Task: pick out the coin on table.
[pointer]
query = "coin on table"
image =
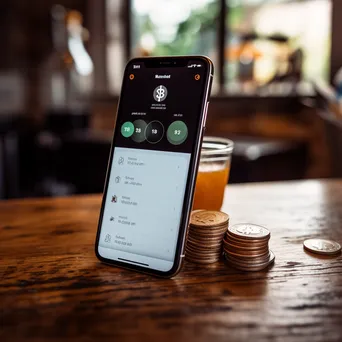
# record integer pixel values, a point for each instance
(203, 247)
(251, 261)
(249, 231)
(206, 239)
(208, 218)
(203, 251)
(204, 242)
(209, 232)
(322, 246)
(237, 248)
(252, 268)
(200, 254)
(202, 261)
(245, 241)
(203, 237)
(206, 230)
(247, 256)
(195, 211)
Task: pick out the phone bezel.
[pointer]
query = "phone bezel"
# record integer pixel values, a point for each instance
(193, 166)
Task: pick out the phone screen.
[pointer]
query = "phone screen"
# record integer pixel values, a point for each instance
(157, 129)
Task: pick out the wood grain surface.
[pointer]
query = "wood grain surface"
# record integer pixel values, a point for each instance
(53, 288)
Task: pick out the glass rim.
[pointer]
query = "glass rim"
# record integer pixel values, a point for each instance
(227, 146)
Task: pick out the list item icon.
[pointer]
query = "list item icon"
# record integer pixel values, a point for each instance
(117, 179)
(108, 238)
(114, 199)
(121, 160)
(160, 93)
(111, 219)
(131, 77)
(197, 77)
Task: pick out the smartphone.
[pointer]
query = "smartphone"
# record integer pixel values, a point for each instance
(153, 163)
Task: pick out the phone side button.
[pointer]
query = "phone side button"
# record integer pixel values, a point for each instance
(205, 114)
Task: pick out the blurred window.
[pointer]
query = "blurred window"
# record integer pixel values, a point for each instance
(185, 27)
(265, 42)
(278, 41)
(115, 50)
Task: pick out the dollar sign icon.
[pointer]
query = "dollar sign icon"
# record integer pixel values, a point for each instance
(160, 93)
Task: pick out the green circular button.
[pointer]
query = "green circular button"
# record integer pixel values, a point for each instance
(139, 131)
(127, 129)
(177, 133)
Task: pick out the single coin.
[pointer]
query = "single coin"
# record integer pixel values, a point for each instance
(207, 241)
(212, 231)
(246, 262)
(199, 261)
(195, 211)
(247, 256)
(250, 247)
(208, 233)
(203, 245)
(249, 231)
(253, 268)
(208, 218)
(209, 228)
(203, 248)
(251, 262)
(199, 225)
(244, 248)
(321, 246)
(203, 236)
(196, 255)
(202, 255)
(244, 241)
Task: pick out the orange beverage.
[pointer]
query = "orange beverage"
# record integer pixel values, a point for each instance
(210, 185)
(213, 173)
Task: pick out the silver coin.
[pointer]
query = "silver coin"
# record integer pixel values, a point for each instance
(322, 246)
(249, 231)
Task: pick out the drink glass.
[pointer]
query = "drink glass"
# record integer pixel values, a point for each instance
(213, 173)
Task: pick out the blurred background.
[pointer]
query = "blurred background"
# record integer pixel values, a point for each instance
(277, 88)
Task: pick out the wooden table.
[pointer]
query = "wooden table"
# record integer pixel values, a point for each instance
(53, 288)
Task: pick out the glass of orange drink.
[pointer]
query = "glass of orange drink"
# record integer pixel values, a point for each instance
(213, 173)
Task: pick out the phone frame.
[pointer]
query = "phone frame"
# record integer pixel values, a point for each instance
(171, 61)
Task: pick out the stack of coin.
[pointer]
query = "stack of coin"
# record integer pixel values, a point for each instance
(206, 231)
(246, 247)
